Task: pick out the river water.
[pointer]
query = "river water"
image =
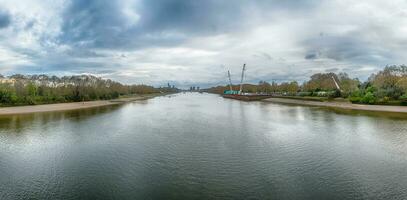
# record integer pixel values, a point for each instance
(201, 146)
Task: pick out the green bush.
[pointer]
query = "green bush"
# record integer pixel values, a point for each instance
(303, 94)
(371, 89)
(369, 98)
(30, 100)
(403, 99)
(7, 97)
(334, 94)
(356, 96)
(355, 99)
(385, 100)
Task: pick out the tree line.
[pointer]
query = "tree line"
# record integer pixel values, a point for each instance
(42, 89)
(388, 86)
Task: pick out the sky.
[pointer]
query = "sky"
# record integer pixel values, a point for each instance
(195, 42)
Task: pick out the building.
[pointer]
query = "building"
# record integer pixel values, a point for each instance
(7, 81)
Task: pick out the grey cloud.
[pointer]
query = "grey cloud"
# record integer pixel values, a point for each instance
(30, 25)
(92, 23)
(267, 56)
(5, 19)
(83, 53)
(102, 23)
(59, 65)
(264, 55)
(350, 47)
(311, 56)
(200, 17)
(297, 6)
(332, 70)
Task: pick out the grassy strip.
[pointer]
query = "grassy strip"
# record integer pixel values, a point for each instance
(342, 100)
(122, 98)
(319, 99)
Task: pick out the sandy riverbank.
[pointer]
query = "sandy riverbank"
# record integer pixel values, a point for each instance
(69, 106)
(343, 105)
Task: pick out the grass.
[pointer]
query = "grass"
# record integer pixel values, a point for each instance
(307, 98)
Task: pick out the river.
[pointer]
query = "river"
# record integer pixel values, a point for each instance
(201, 146)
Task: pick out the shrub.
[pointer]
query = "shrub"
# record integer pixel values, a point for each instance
(371, 89)
(334, 94)
(383, 101)
(403, 99)
(303, 94)
(369, 98)
(355, 99)
(30, 100)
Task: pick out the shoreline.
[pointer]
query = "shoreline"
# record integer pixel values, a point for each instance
(17, 110)
(342, 105)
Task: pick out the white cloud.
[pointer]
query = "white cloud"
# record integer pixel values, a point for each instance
(274, 39)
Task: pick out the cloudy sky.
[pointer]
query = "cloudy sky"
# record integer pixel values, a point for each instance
(189, 42)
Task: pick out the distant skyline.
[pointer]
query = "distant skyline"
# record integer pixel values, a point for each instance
(195, 42)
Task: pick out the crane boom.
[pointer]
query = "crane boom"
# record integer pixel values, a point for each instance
(241, 81)
(230, 81)
(336, 84)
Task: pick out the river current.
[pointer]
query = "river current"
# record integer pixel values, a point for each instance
(201, 146)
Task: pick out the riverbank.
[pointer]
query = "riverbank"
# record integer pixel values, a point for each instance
(71, 106)
(342, 105)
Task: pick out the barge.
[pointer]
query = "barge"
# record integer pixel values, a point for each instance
(246, 97)
(239, 95)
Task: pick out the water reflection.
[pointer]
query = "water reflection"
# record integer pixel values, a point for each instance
(201, 146)
(19, 123)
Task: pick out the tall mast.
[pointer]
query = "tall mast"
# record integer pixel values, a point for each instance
(241, 81)
(230, 81)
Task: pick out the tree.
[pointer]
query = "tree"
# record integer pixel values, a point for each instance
(44, 89)
(347, 85)
(32, 89)
(264, 87)
(7, 95)
(274, 87)
(293, 88)
(321, 81)
(402, 84)
(390, 81)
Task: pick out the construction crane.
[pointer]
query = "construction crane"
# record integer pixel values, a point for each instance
(230, 81)
(336, 84)
(241, 81)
